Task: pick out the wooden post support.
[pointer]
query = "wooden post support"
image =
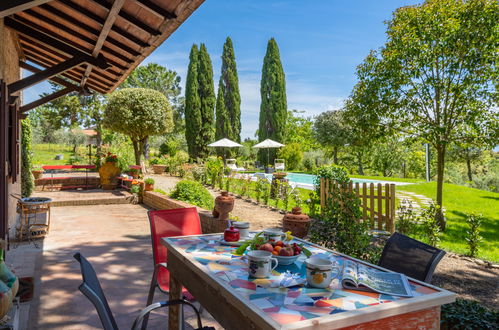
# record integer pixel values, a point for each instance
(47, 98)
(174, 311)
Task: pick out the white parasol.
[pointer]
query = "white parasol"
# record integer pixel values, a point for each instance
(224, 143)
(267, 144)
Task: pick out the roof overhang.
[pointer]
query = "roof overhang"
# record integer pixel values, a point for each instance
(89, 44)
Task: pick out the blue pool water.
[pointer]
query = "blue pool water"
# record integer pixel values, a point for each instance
(309, 179)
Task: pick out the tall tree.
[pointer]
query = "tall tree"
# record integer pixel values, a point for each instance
(192, 104)
(138, 113)
(206, 91)
(274, 107)
(437, 72)
(331, 130)
(228, 109)
(299, 129)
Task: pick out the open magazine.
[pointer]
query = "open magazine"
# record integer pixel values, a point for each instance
(363, 278)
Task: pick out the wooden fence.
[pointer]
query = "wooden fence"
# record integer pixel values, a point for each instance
(377, 201)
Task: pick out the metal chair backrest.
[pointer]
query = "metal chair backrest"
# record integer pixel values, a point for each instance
(408, 256)
(168, 223)
(92, 290)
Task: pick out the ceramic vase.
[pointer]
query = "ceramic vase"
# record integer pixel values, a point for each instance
(296, 222)
(108, 174)
(5, 299)
(223, 206)
(8, 278)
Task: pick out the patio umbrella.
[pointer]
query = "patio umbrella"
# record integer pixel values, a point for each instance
(267, 144)
(224, 143)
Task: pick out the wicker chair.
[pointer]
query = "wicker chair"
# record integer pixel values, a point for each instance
(408, 256)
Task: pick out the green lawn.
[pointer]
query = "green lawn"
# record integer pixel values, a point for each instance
(385, 178)
(44, 154)
(459, 200)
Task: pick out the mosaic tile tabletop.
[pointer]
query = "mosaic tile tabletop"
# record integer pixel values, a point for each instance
(283, 304)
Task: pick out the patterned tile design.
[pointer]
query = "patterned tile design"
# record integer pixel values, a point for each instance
(283, 304)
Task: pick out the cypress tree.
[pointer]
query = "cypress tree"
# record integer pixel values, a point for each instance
(206, 91)
(273, 109)
(192, 104)
(228, 121)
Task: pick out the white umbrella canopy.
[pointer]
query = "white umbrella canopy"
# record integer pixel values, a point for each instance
(226, 143)
(268, 143)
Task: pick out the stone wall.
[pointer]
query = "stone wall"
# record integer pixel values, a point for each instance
(158, 201)
(10, 72)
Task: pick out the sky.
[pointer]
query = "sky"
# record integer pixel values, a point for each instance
(321, 42)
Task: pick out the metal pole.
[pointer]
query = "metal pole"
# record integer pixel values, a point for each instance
(427, 149)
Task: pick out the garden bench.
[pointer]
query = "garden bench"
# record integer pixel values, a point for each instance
(52, 169)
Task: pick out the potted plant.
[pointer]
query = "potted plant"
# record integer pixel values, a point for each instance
(149, 184)
(134, 173)
(109, 172)
(37, 172)
(158, 165)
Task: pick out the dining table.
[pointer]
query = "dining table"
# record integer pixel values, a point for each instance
(219, 281)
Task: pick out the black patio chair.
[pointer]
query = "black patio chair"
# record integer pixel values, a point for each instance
(408, 256)
(92, 290)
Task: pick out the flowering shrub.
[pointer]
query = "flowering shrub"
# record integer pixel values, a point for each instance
(111, 158)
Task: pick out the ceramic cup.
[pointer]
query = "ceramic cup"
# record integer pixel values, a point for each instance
(321, 271)
(243, 228)
(274, 234)
(260, 263)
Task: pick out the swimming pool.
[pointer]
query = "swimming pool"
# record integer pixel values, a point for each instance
(307, 180)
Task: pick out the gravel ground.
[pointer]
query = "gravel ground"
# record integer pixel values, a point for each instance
(466, 278)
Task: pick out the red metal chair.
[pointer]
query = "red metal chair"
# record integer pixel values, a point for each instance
(168, 223)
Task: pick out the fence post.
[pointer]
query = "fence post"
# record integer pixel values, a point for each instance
(391, 228)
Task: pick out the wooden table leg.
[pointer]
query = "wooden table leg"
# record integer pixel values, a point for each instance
(174, 312)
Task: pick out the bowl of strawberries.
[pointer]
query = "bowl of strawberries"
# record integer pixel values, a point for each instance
(285, 253)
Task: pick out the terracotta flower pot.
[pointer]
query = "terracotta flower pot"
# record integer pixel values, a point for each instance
(37, 174)
(149, 187)
(159, 169)
(223, 206)
(108, 174)
(296, 222)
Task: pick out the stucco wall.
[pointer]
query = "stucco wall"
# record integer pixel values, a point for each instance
(9, 71)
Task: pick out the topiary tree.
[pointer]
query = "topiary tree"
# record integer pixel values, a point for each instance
(27, 183)
(138, 113)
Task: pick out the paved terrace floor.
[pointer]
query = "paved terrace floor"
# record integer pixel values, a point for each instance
(116, 240)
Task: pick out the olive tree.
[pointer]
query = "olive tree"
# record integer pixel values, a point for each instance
(436, 77)
(138, 113)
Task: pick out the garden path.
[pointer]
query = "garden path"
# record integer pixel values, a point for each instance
(259, 217)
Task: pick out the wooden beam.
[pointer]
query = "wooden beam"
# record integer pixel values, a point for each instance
(108, 24)
(34, 69)
(100, 20)
(156, 9)
(129, 18)
(9, 7)
(4, 140)
(45, 74)
(54, 43)
(72, 20)
(47, 98)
